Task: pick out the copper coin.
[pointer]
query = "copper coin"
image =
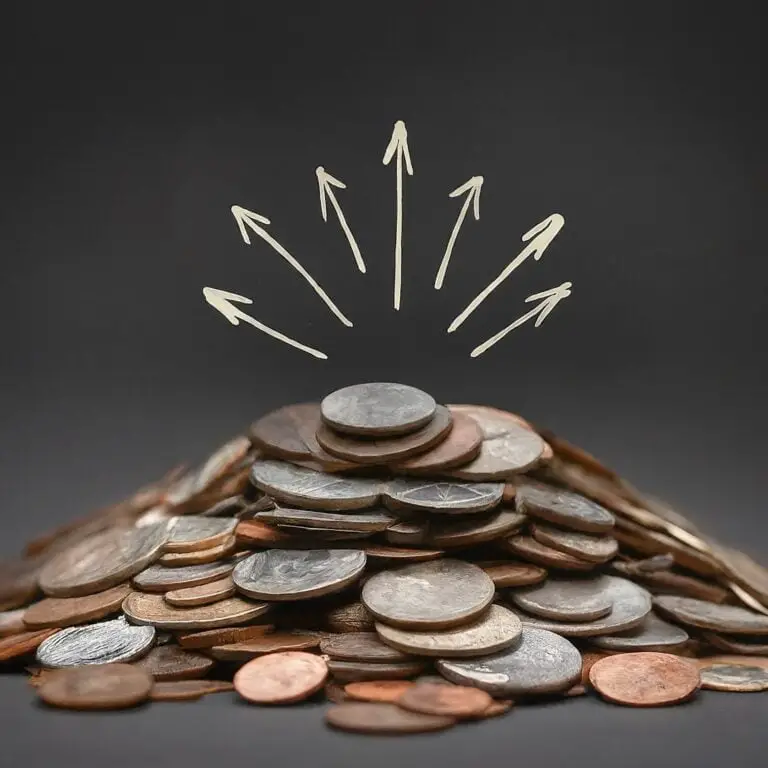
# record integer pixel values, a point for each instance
(108, 686)
(205, 594)
(400, 554)
(258, 646)
(645, 679)
(187, 690)
(158, 578)
(385, 691)
(18, 581)
(352, 671)
(350, 617)
(497, 708)
(734, 677)
(222, 462)
(257, 533)
(199, 556)
(222, 636)
(20, 645)
(281, 678)
(457, 701)
(360, 646)
(278, 433)
(375, 520)
(585, 546)
(535, 551)
(477, 529)
(11, 622)
(326, 462)
(191, 533)
(335, 693)
(667, 582)
(169, 662)
(509, 574)
(588, 660)
(731, 619)
(68, 611)
(359, 717)
(563, 508)
(316, 536)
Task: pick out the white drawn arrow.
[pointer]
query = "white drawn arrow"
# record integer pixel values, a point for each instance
(248, 219)
(398, 144)
(472, 187)
(551, 299)
(222, 302)
(325, 182)
(540, 237)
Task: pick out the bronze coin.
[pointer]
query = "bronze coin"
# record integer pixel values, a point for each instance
(477, 529)
(354, 671)
(536, 552)
(370, 522)
(497, 708)
(645, 679)
(360, 646)
(169, 662)
(326, 462)
(351, 617)
(747, 598)
(509, 493)
(101, 686)
(69, 611)
(400, 554)
(158, 578)
(384, 691)
(20, 645)
(381, 718)
(18, 581)
(222, 636)
(585, 546)
(258, 646)
(11, 622)
(194, 532)
(731, 619)
(457, 701)
(588, 660)
(278, 433)
(187, 690)
(508, 574)
(199, 556)
(256, 533)
(563, 508)
(281, 678)
(205, 594)
(748, 574)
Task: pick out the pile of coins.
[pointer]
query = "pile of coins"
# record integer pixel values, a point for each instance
(416, 564)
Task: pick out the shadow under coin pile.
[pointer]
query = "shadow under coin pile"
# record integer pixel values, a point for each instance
(416, 564)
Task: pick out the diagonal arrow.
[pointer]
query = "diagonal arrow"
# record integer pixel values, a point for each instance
(551, 299)
(472, 187)
(222, 301)
(249, 220)
(325, 182)
(398, 145)
(540, 237)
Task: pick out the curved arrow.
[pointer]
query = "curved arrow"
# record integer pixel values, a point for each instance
(326, 182)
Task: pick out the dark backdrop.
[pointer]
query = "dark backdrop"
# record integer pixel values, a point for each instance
(128, 131)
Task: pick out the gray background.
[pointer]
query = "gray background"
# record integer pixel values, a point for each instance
(127, 136)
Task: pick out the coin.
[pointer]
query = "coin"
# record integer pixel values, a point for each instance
(335, 693)
(259, 646)
(387, 691)
(542, 663)
(169, 662)
(750, 661)
(205, 594)
(11, 622)
(187, 690)
(563, 508)
(360, 646)
(22, 643)
(730, 619)
(493, 631)
(308, 427)
(597, 549)
(576, 455)
(497, 708)
(18, 581)
(671, 582)
(108, 686)
(375, 520)
(437, 496)
(278, 433)
(199, 556)
(437, 594)
(105, 642)
(401, 554)
(360, 717)
(192, 533)
(232, 506)
(353, 671)
(281, 678)
(380, 408)
(408, 533)
(457, 701)
(734, 677)
(747, 598)
(509, 574)
(475, 530)
(153, 610)
(350, 617)
(645, 679)
(158, 578)
(65, 611)
(739, 644)
(565, 599)
(257, 533)
(222, 636)
(653, 634)
(285, 574)
(311, 489)
(314, 536)
(533, 550)
(221, 462)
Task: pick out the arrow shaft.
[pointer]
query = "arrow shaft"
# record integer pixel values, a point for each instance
(488, 343)
(345, 228)
(451, 242)
(399, 229)
(281, 336)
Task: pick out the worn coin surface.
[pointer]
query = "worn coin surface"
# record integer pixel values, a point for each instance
(258, 646)
(457, 701)
(739, 644)
(169, 662)
(211, 637)
(542, 663)
(598, 549)
(187, 690)
(509, 574)
(65, 611)
(529, 548)
(568, 510)
(665, 581)
(385, 691)
(21, 644)
(158, 578)
(288, 574)
(496, 629)
(360, 717)
(349, 617)
(375, 520)
(565, 599)
(477, 529)
(734, 677)
(279, 432)
(408, 533)
(436, 594)
(653, 634)
(281, 678)
(109, 686)
(205, 594)
(199, 556)
(438, 496)
(645, 679)
(193, 532)
(103, 643)
(722, 618)
(353, 671)
(360, 646)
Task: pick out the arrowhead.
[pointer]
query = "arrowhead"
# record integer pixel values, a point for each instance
(324, 182)
(221, 301)
(399, 143)
(549, 227)
(245, 219)
(473, 186)
(550, 299)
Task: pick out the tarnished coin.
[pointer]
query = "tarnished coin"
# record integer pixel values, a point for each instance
(221, 462)
(318, 535)
(408, 533)
(530, 549)
(199, 556)
(169, 662)
(457, 701)
(257, 533)
(565, 599)
(543, 662)
(385, 691)
(281, 678)
(731, 619)
(568, 510)
(106, 642)
(187, 690)
(665, 581)
(278, 433)
(509, 574)
(285, 574)
(308, 488)
(748, 574)
(109, 686)
(335, 693)
(102, 561)
(18, 581)
(494, 631)
(193, 532)
(350, 617)
(222, 636)
(205, 594)
(153, 610)
(734, 677)
(232, 506)
(308, 427)
(436, 594)
(158, 578)
(360, 646)
(475, 530)
(447, 497)
(645, 679)
(401, 554)
(258, 646)
(21, 644)
(375, 520)
(353, 671)
(359, 717)
(380, 408)
(11, 622)
(585, 546)
(653, 634)
(66, 611)
(740, 644)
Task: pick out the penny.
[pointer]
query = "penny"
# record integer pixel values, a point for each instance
(109, 686)
(408, 533)
(205, 594)
(222, 636)
(380, 408)
(542, 663)
(496, 709)
(285, 574)
(257, 533)
(155, 611)
(191, 533)
(497, 629)
(508, 574)
(308, 426)
(11, 622)
(375, 520)
(158, 578)
(258, 646)
(221, 462)
(169, 662)
(653, 634)
(476, 530)
(65, 611)
(730, 619)
(187, 690)
(335, 693)
(106, 642)
(529, 548)
(563, 508)
(401, 554)
(382, 718)
(664, 581)
(199, 556)
(278, 433)
(360, 646)
(102, 561)
(350, 617)
(565, 599)
(645, 679)
(386, 691)
(588, 659)
(437, 594)
(281, 678)
(739, 644)
(452, 700)
(22, 643)
(353, 671)
(447, 497)
(308, 488)
(598, 549)
(18, 581)
(734, 677)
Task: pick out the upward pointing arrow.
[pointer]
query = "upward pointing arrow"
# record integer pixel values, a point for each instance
(325, 182)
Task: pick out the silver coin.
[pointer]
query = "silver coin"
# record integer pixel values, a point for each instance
(542, 663)
(408, 533)
(292, 574)
(105, 642)
(229, 507)
(360, 646)
(475, 530)
(158, 578)
(565, 599)
(722, 618)
(738, 644)
(497, 629)
(309, 488)
(653, 634)
(597, 549)
(192, 532)
(734, 677)
(434, 594)
(375, 520)
(450, 497)
(357, 671)
(563, 508)
(380, 408)
(631, 604)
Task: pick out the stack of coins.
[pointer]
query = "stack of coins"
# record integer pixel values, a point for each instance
(417, 564)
